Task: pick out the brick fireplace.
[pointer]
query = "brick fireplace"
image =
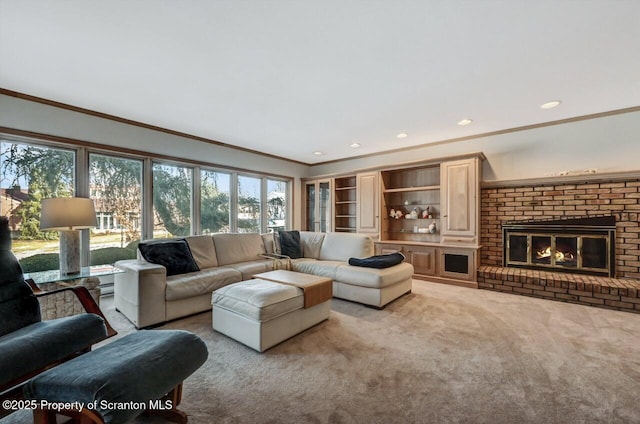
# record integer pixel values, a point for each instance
(619, 199)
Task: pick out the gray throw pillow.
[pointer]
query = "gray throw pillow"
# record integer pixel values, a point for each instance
(174, 255)
(290, 244)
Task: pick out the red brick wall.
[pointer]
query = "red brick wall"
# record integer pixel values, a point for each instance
(618, 198)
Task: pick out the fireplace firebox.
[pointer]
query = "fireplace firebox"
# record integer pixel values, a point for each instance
(579, 245)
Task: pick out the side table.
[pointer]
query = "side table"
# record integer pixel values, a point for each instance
(66, 303)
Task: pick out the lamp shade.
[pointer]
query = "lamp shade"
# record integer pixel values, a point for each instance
(67, 213)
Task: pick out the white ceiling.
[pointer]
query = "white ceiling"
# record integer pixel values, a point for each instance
(292, 77)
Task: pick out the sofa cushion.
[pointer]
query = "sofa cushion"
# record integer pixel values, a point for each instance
(290, 244)
(342, 246)
(259, 300)
(379, 261)
(373, 278)
(249, 269)
(203, 251)
(197, 283)
(320, 268)
(235, 248)
(173, 254)
(311, 243)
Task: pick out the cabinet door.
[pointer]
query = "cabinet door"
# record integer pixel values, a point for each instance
(387, 249)
(457, 263)
(459, 186)
(368, 202)
(317, 198)
(423, 259)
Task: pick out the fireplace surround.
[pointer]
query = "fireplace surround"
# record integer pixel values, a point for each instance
(584, 245)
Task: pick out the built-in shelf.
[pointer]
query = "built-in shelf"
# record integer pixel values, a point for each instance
(345, 204)
(409, 189)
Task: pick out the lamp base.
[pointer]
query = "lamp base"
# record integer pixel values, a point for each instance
(69, 252)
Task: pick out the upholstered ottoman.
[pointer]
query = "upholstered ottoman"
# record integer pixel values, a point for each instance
(261, 314)
(112, 384)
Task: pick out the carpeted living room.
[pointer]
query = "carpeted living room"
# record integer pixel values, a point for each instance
(389, 211)
(442, 354)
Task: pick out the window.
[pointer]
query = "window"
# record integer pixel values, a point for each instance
(215, 202)
(222, 201)
(115, 185)
(276, 205)
(30, 173)
(171, 200)
(249, 202)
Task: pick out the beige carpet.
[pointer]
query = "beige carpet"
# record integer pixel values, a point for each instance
(442, 354)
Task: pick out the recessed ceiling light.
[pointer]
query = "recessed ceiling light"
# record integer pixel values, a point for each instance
(465, 121)
(354, 145)
(317, 153)
(402, 135)
(550, 105)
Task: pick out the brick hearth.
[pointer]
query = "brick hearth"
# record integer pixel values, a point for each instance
(620, 198)
(611, 293)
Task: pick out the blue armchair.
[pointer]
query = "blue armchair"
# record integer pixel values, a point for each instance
(29, 345)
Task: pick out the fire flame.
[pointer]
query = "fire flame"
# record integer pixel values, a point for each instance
(560, 257)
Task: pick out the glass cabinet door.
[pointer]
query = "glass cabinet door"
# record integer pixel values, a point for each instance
(325, 206)
(318, 205)
(310, 189)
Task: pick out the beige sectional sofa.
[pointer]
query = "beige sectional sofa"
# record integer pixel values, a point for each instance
(147, 296)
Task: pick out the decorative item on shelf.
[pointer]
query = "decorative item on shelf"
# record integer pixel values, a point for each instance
(392, 213)
(406, 203)
(433, 228)
(68, 215)
(399, 214)
(413, 214)
(423, 230)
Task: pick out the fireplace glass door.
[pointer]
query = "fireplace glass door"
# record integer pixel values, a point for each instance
(566, 251)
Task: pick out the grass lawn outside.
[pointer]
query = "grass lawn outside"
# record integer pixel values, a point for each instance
(25, 248)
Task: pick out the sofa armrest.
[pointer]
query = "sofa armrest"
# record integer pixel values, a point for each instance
(140, 292)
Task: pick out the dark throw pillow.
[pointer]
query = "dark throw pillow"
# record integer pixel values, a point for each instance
(379, 262)
(171, 254)
(290, 244)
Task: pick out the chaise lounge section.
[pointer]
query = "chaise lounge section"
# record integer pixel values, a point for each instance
(148, 294)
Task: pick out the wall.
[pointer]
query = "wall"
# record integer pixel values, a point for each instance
(36, 117)
(608, 144)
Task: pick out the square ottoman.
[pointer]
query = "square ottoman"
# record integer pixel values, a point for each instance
(261, 314)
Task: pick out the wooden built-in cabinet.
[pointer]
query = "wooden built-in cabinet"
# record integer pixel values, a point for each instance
(430, 212)
(455, 265)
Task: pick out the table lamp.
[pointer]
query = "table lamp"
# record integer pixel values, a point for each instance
(68, 214)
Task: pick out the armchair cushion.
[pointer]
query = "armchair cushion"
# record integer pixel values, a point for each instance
(173, 254)
(18, 305)
(40, 344)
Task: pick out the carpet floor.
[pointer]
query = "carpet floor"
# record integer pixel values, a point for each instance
(442, 354)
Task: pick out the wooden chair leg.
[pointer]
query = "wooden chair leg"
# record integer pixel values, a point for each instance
(44, 416)
(47, 416)
(173, 414)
